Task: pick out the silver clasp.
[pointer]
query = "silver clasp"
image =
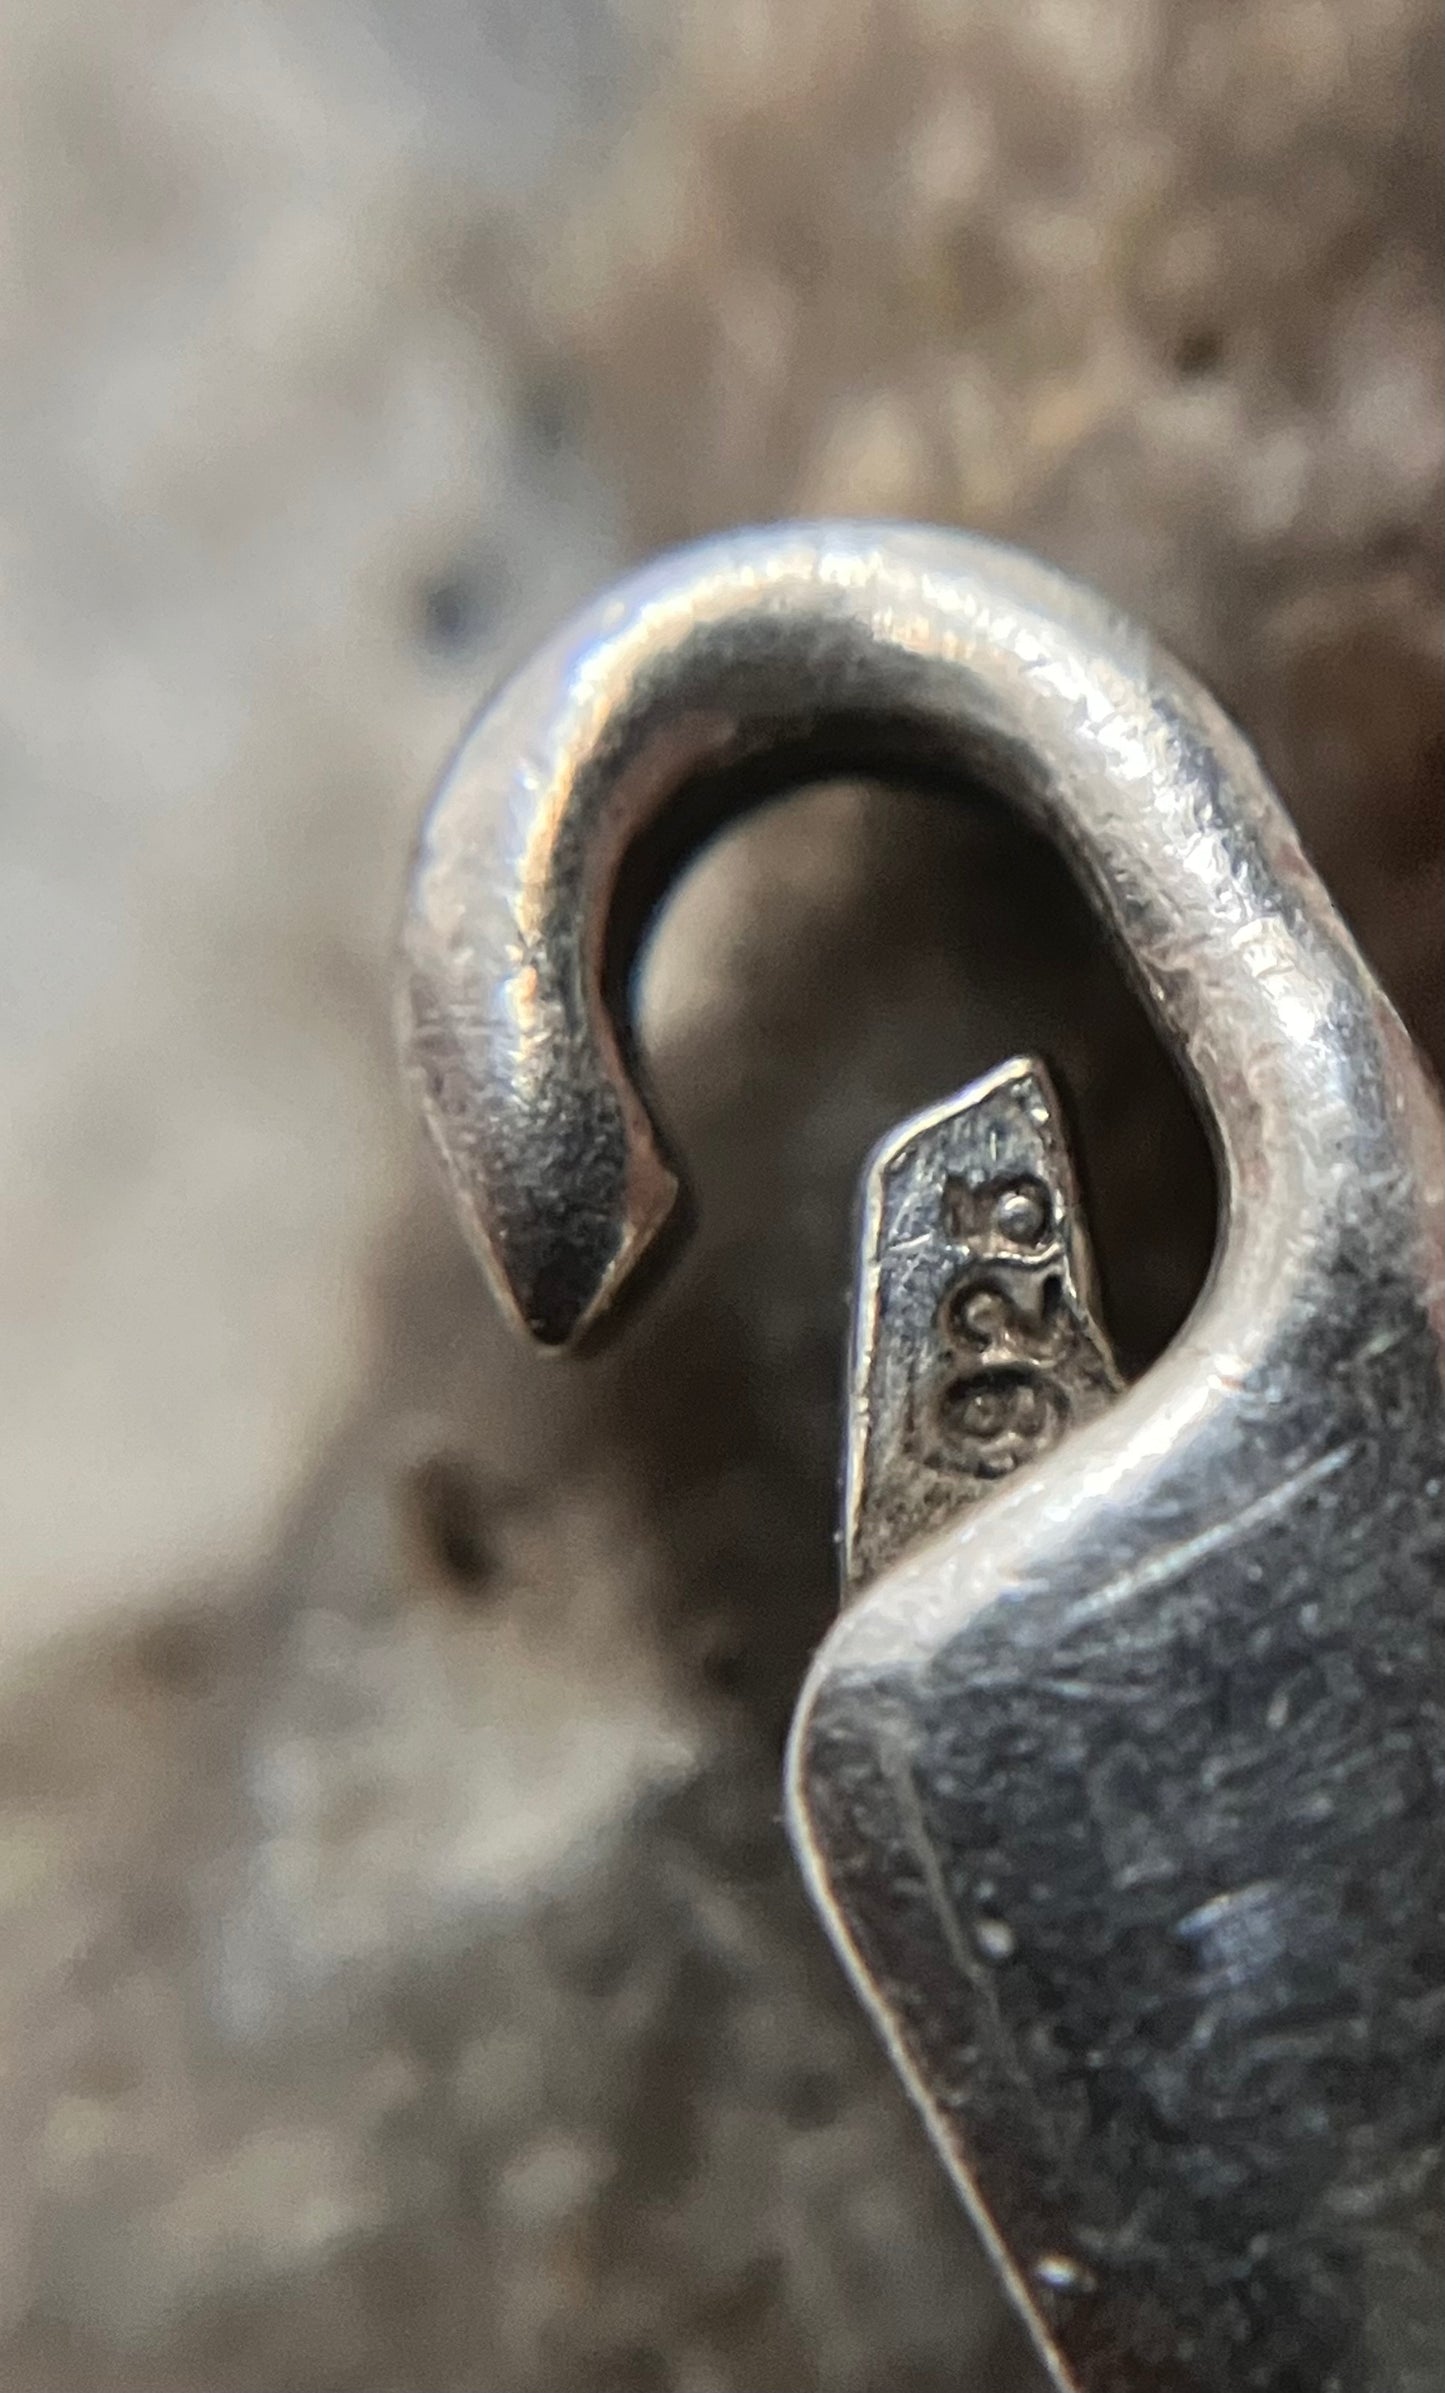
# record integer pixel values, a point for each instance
(1122, 1791)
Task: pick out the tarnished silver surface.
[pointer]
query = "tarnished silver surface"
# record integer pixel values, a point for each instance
(976, 1339)
(1122, 1794)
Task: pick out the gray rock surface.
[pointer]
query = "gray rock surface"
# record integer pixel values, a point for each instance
(403, 1978)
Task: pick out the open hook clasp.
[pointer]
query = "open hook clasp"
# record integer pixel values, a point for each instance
(1123, 1792)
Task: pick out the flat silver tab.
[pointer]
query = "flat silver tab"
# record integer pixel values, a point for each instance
(976, 1338)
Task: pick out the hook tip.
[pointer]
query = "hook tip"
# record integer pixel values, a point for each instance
(562, 1184)
(564, 1273)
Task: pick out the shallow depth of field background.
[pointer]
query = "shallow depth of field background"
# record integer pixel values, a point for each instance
(403, 1982)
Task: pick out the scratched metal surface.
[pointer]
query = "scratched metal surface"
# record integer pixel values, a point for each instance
(1138, 1847)
(1123, 1795)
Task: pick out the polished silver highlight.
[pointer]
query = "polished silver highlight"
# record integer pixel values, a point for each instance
(1123, 1795)
(976, 1338)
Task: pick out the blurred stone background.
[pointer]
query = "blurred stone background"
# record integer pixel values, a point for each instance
(403, 1983)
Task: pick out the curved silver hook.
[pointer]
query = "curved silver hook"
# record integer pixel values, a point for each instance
(1122, 1796)
(751, 663)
